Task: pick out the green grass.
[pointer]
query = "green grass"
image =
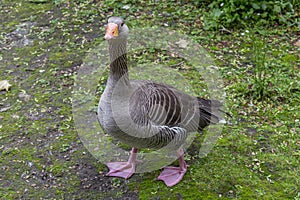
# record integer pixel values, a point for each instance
(41, 156)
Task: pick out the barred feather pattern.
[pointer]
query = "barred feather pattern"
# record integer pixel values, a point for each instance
(158, 114)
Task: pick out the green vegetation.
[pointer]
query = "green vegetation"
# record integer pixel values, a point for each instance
(236, 13)
(258, 153)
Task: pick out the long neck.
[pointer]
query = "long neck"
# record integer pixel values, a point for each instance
(118, 61)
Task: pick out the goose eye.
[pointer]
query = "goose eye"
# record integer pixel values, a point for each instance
(122, 23)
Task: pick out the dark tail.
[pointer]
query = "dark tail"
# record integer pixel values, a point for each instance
(210, 112)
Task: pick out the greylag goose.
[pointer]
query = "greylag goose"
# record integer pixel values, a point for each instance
(146, 114)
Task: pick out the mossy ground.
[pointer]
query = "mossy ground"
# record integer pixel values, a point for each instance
(256, 157)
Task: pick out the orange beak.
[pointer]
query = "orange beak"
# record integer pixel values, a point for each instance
(112, 31)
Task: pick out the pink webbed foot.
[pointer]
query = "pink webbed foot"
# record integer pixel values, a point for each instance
(123, 169)
(173, 175)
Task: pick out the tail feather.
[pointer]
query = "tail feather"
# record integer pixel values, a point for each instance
(210, 112)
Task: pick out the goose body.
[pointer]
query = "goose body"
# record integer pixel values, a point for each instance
(146, 114)
(157, 114)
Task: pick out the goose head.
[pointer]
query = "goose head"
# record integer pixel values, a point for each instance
(116, 29)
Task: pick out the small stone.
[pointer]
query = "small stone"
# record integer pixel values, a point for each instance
(14, 116)
(24, 96)
(87, 186)
(126, 7)
(30, 164)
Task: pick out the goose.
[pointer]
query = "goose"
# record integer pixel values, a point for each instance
(146, 114)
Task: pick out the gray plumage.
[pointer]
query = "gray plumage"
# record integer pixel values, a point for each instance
(146, 114)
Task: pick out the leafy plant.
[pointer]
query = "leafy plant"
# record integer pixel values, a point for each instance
(59, 2)
(272, 78)
(259, 81)
(238, 13)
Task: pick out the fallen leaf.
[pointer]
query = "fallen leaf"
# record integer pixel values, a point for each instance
(297, 42)
(5, 109)
(4, 85)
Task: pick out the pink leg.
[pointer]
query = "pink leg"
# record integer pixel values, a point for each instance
(123, 169)
(173, 175)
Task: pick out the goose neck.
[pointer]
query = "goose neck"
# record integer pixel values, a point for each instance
(118, 61)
